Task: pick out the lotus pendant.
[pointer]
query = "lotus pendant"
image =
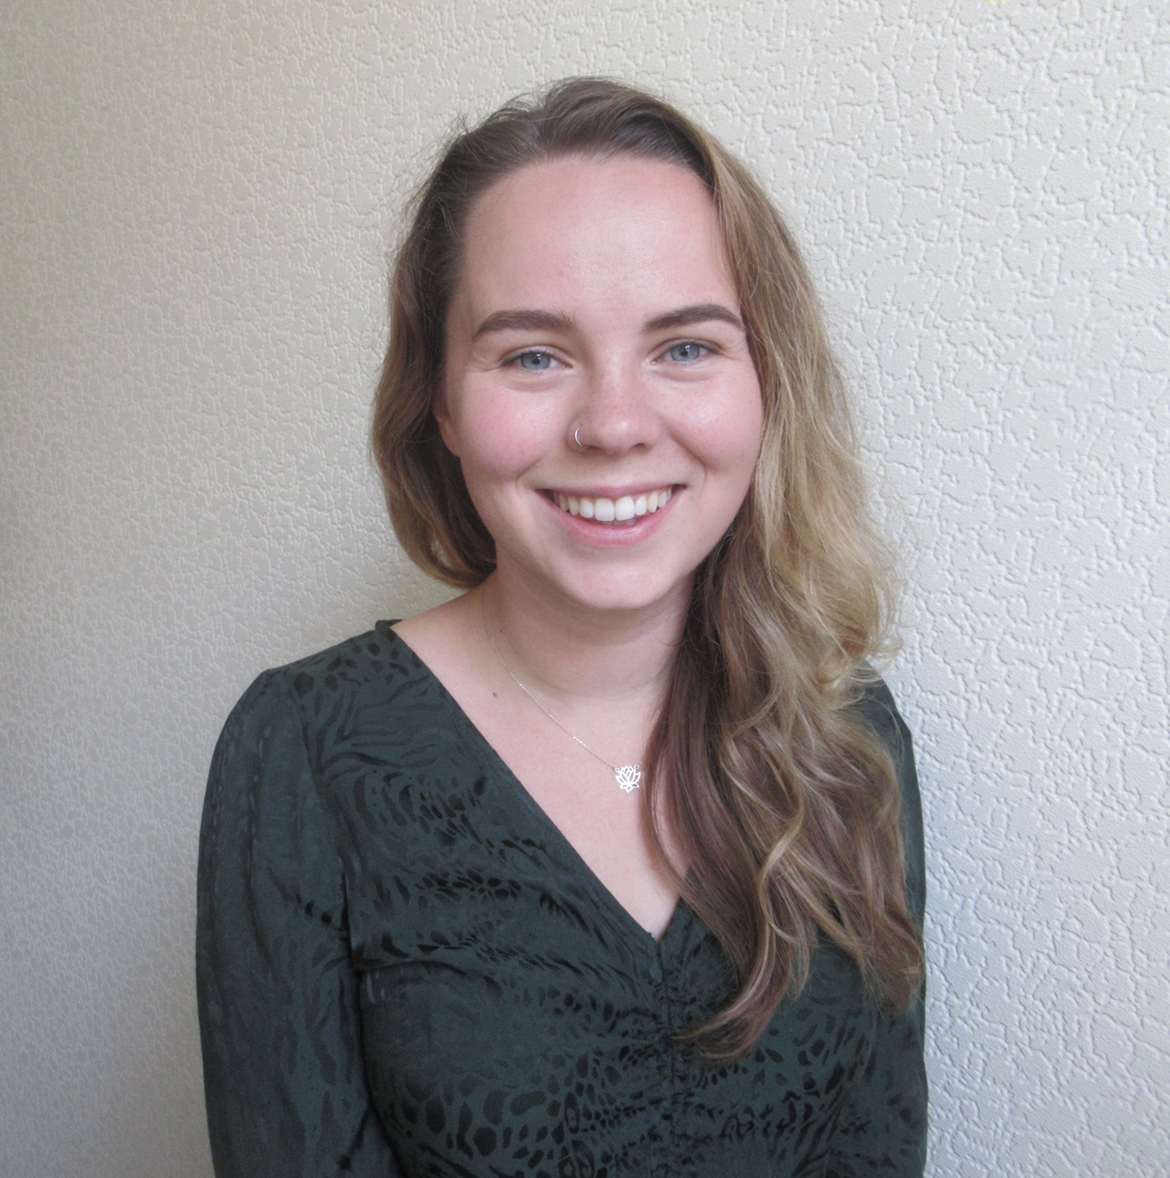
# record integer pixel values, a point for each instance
(629, 777)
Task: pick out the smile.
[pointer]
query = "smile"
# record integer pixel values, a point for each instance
(610, 511)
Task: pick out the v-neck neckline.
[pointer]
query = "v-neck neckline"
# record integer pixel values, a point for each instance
(573, 860)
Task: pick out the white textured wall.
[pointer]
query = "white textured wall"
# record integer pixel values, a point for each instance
(195, 202)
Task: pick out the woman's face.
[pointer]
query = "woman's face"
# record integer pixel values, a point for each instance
(599, 391)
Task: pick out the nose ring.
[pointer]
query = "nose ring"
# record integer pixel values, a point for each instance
(577, 438)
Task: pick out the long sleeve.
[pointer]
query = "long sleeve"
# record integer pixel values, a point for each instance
(882, 1129)
(282, 1053)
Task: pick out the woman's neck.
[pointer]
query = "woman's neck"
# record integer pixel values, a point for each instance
(571, 651)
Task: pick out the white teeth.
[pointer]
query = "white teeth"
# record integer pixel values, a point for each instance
(608, 511)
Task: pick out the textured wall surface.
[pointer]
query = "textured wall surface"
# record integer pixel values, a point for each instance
(195, 203)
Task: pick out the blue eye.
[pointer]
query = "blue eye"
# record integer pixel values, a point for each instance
(534, 361)
(686, 352)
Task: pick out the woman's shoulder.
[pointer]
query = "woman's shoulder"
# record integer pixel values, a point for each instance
(362, 655)
(372, 682)
(376, 659)
(874, 703)
(368, 694)
(877, 709)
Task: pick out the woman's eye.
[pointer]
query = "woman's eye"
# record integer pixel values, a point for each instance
(687, 352)
(534, 361)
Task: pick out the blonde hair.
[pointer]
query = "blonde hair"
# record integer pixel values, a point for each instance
(782, 802)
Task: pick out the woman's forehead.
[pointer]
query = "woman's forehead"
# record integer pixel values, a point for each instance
(577, 225)
(569, 185)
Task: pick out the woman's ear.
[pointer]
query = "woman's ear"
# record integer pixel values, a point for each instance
(446, 426)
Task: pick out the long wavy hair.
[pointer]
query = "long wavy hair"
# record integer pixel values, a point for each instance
(782, 803)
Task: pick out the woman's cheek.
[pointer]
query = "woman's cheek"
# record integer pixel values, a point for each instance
(726, 437)
(506, 436)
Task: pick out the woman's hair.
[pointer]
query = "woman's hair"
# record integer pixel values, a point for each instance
(781, 802)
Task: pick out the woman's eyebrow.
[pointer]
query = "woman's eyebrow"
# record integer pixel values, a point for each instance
(524, 321)
(696, 313)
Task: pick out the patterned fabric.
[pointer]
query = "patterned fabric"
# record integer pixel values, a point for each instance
(405, 969)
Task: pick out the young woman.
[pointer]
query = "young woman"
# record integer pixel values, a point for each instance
(612, 865)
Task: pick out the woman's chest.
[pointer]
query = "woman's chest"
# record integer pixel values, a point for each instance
(514, 1019)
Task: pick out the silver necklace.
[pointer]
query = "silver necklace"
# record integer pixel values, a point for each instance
(629, 777)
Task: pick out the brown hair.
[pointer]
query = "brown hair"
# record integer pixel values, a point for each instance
(790, 816)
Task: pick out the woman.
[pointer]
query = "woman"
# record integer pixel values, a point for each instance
(611, 865)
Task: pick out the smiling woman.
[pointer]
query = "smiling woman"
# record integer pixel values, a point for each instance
(611, 865)
(593, 354)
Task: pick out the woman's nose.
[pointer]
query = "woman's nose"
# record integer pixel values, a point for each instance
(617, 414)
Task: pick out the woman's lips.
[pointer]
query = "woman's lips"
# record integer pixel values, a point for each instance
(622, 510)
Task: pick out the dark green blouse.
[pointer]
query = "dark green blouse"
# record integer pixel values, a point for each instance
(405, 969)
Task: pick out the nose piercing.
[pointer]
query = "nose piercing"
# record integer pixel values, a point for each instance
(577, 438)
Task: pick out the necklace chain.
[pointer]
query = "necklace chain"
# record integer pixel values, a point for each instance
(628, 777)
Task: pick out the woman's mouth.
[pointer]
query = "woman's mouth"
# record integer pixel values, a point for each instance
(621, 510)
